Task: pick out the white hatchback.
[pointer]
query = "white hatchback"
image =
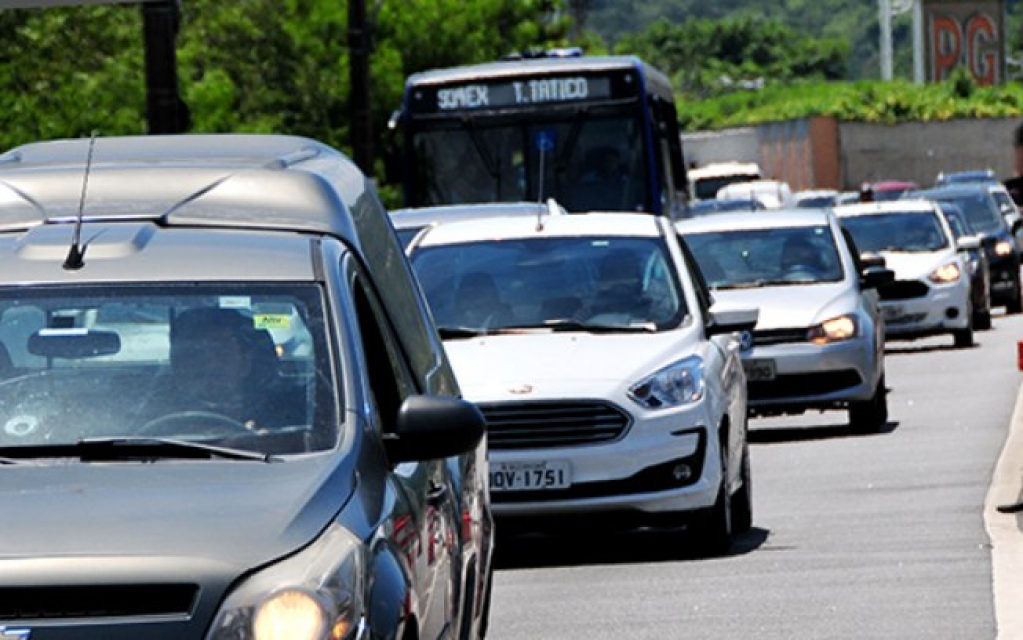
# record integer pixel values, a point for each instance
(610, 386)
(931, 293)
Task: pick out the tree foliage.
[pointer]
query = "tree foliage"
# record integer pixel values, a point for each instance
(246, 66)
(709, 57)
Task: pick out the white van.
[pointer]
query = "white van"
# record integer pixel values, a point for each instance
(706, 181)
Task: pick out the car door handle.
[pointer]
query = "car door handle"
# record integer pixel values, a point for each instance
(437, 494)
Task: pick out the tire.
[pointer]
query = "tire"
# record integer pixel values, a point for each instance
(742, 501)
(982, 320)
(872, 415)
(712, 529)
(1015, 305)
(963, 338)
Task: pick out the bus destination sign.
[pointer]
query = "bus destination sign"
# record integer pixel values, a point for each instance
(515, 93)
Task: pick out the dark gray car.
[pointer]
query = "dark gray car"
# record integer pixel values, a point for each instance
(224, 409)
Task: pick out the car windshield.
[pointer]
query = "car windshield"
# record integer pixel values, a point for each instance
(740, 258)
(979, 207)
(897, 231)
(237, 365)
(580, 282)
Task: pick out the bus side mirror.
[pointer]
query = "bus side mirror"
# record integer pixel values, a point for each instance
(392, 151)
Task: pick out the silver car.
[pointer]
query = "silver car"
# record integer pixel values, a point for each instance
(819, 340)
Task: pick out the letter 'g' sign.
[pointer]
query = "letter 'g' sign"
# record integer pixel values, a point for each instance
(965, 34)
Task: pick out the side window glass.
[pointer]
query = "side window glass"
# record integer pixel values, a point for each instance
(703, 294)
(389, 380)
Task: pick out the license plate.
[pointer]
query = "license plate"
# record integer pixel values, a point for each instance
(759, 369)
(893, 312)
(529, 476)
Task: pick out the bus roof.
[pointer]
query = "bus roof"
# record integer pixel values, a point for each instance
(656, 81)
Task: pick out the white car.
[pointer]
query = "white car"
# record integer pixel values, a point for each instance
(931, 292)
(774, 194)
(819, 339)
(610, 386)
(409, 222)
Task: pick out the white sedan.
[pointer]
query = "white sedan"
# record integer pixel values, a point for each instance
(931, 293)
(610, 386)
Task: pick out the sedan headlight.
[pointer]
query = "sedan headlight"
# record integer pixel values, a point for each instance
(316, 594)
(945, 274)
(677, 384)
(1003, 248)
(834, 330)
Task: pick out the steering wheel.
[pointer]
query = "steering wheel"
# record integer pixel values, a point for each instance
(203, 424)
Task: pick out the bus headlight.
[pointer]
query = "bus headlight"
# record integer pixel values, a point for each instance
(834, 330)
(677, 384)
(945, 274)
(317, 594)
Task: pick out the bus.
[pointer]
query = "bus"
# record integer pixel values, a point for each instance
(594, 133)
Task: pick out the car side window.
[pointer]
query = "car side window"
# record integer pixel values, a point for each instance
(389, 378)
(703, 295)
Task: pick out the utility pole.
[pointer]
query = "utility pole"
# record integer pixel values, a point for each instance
(166, 112)
(358, 60)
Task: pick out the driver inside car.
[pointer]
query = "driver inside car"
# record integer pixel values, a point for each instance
(799, 255)
(222, 370)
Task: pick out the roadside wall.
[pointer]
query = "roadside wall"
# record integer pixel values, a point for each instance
(822, 153)
(919, 151)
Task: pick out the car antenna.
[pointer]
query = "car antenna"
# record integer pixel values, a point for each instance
(76, 254)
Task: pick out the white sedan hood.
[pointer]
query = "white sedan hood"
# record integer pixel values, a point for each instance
(535, 366)
(792, 306)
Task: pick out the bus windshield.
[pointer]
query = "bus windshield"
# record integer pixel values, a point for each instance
(596, 134)
(585, 163)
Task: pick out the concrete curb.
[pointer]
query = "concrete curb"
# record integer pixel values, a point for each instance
(1003, 530)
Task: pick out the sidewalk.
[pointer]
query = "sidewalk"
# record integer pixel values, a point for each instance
(1004, 531)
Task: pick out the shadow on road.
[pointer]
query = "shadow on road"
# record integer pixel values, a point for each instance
(776, 435)
(536, 551)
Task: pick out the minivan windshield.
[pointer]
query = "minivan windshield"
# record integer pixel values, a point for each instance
(578, 283)
(243, 366)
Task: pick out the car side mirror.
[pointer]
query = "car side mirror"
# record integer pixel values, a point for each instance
(876, 277)
(434, 427)
(868, 260)
(722, 321)
(968, 243)
(988, 241)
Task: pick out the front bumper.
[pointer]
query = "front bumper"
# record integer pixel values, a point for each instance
(811, 376)
(666, 461)
(942, 309)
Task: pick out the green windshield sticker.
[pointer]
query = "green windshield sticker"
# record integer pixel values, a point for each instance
(271, 321)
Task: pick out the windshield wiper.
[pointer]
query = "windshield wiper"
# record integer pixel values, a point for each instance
(133, 448)
(455, 333)
(575, 325)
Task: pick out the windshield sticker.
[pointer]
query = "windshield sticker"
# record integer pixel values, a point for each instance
(235, 302)
(271, 321)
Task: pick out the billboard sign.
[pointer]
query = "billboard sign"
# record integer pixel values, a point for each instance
(966, 34)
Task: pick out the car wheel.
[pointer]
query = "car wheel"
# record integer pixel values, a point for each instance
(982, 320)
(712, 529)
(872, 415)
(963, 338)
(742, 501)
(1015, 305)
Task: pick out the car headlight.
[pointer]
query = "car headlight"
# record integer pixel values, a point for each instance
(317, 594)
(945, 274)
(834, 330)
(1003, 248)
(677, 384)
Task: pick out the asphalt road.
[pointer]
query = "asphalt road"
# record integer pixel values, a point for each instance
(855, 537)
